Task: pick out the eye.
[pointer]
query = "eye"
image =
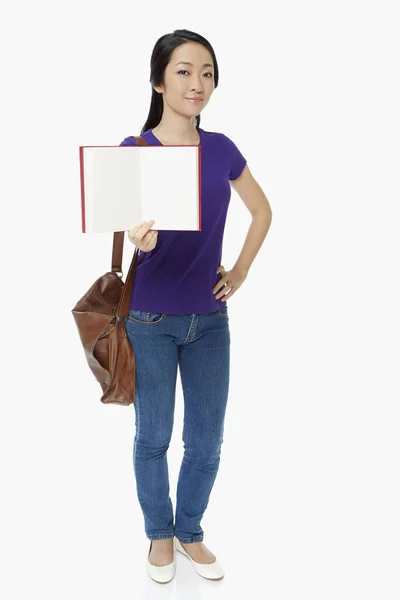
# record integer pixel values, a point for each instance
(184, 71)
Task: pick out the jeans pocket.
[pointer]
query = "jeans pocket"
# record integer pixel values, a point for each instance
(141, 317)
(223, 311)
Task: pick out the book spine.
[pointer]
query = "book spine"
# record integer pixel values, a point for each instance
(81, 159)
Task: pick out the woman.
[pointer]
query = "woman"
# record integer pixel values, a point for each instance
(178, 314)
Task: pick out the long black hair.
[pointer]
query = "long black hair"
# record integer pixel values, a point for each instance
(160, 58)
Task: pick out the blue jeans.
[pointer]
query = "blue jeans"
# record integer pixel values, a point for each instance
(200, 345)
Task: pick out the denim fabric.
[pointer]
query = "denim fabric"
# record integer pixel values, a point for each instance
(200, 345)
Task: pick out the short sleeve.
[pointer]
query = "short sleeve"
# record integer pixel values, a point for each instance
(128, 141)
(237, 161)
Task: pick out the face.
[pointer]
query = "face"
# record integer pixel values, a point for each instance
(183, 81)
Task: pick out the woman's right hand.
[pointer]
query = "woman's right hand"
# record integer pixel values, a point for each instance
(143, 236)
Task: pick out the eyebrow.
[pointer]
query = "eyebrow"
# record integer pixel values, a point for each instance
(184, 62)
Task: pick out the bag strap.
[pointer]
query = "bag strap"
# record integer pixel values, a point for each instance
(116, 261)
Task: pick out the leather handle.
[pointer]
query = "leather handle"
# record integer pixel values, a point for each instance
(116, 261)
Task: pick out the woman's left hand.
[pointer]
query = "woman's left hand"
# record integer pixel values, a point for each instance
(231, 280)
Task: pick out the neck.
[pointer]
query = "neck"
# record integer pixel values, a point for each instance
(177, 131)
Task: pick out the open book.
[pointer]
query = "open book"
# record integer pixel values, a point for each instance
(122, 186)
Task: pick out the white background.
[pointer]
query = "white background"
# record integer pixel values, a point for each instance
(306, 502)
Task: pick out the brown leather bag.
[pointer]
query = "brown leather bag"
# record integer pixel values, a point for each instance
(100, 316)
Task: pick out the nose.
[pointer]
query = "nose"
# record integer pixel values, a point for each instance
(197, 86)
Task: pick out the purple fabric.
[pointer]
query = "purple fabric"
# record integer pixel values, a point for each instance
(178, 276)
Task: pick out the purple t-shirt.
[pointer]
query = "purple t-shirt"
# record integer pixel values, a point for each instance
(179, 274)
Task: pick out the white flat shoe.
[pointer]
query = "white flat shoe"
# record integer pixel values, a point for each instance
(209, 571)
(162, 574)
